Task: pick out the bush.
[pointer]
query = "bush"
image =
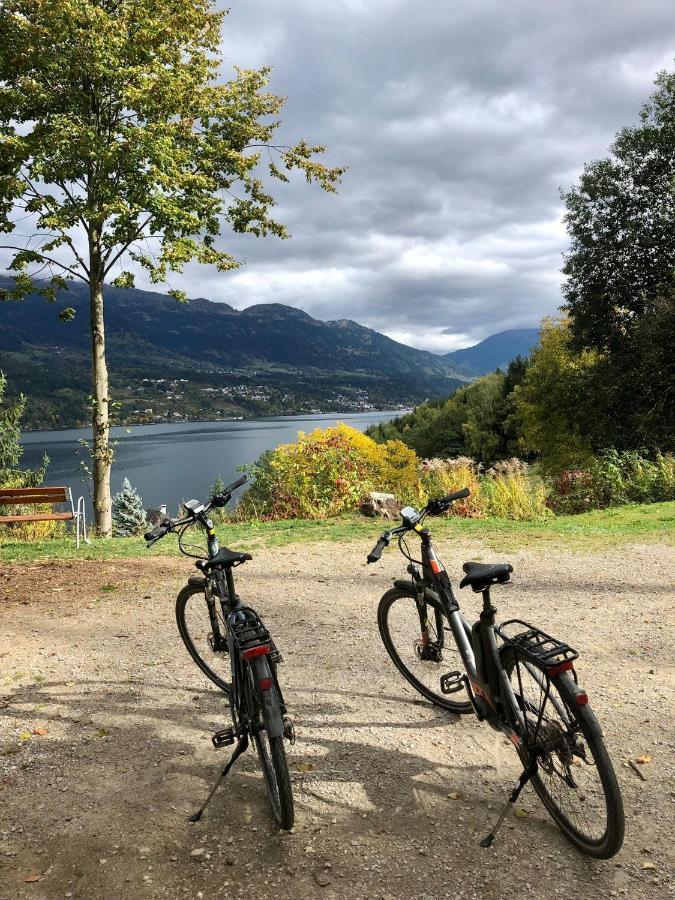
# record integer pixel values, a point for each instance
(321, 475)
(505, 490)
(326, 473)
(329, 472)
(613, 479)
(440, 477)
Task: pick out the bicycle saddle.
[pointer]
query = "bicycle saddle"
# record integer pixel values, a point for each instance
(223, 557)
(482, 575)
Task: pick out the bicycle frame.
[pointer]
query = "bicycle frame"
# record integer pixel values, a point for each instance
(488, 686)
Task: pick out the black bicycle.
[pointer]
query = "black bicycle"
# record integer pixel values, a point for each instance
(217, 627)
(517, 678)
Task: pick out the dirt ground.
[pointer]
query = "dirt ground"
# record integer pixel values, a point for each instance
(105, 729)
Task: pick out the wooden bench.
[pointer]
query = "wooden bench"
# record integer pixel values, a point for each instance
(38, 496)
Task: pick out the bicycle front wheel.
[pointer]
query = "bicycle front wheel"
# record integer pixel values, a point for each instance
(575, 779)
(421, 659)
(272, 756)
(194, 627)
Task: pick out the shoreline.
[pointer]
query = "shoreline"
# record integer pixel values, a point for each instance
(240, 420)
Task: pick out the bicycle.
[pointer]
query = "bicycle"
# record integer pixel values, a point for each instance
(517, 678)
(236, 633)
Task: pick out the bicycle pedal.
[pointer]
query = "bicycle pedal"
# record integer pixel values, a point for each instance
(452, 682)
(289, 730)
(223, 738)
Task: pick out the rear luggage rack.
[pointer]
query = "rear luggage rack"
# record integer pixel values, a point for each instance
(535, 645)
(248, 630)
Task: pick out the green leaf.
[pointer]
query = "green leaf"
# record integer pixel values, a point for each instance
(124, 280)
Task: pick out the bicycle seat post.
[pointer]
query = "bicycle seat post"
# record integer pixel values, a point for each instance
(488, 613)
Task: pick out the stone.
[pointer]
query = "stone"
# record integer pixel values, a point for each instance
(376, 503)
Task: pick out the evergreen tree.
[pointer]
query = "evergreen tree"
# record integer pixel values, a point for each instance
(217, 487)
(128, 515)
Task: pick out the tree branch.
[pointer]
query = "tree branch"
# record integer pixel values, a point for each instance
(50, 260)
(139, 233)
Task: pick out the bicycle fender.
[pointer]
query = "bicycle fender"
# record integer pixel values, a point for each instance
(405, 585)
(271, 707)
(570, 691)
(197, 581)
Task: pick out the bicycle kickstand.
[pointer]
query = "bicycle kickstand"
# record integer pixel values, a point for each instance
(525, 776)
(241, 747)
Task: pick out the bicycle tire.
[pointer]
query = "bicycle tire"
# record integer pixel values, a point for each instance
(182, 601)
(274, 763)
(383, 617)
(610, 841)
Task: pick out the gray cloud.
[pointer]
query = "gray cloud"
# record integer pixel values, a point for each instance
(460, 122)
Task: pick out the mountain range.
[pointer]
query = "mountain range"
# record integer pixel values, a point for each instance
(495, 352)
(208, 360)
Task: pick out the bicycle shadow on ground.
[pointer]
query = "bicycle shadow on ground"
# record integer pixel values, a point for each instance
(80, 796)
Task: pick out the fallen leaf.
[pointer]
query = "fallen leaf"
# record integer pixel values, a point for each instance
(644, 759)
(31, 878)
(520, 813)
(40, 731)
(305, 767)
(453, 795)
(648, 865)
(102, 732)
(25, 736)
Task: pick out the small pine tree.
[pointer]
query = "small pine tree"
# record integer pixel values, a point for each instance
(217, 487)
(128, 514)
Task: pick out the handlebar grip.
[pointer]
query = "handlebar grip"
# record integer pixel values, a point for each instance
(376, 552)
(235, 484)
(158, 532)
(458, 495)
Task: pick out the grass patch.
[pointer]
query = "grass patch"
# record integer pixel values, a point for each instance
(592, 531)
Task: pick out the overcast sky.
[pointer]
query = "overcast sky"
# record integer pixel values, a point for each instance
(460, 121)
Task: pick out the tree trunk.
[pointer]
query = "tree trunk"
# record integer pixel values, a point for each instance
(101, 450)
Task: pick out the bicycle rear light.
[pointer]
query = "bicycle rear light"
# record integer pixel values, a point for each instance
(252, 652)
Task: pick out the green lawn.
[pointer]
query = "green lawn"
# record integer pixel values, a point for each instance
(654, 523)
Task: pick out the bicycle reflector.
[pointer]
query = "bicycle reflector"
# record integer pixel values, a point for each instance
(265, 684)
(252, 652)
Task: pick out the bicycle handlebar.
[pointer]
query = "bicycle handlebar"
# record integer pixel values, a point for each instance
(167, 525)
(433, 508)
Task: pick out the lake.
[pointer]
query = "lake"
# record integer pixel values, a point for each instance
(170, 463)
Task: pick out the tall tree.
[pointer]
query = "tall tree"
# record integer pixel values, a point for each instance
(118, 142)
(620, 288)
(621, 223)
(556, 405)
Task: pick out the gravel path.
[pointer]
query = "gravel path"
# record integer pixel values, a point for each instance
(105, 729)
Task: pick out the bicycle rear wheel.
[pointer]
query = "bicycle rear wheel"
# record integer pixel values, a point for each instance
(194, 627)
(272, 756)
(421, 665)
(575, 779)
